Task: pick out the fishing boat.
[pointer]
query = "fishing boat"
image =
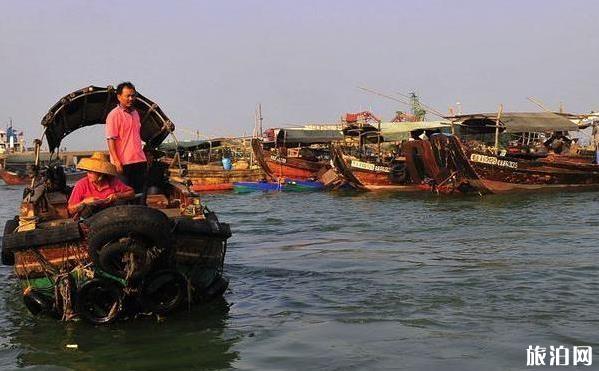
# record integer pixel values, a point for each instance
(296, 153)
(14, 177)
(518, 151)
(387, 156)
(123, 261)
(212, 165)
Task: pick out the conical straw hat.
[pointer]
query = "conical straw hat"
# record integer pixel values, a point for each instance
(99, 163)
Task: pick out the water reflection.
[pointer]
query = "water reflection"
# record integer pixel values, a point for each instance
(198, 339)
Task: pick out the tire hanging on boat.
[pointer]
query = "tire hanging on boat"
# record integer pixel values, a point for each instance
(37, 303)
(8, 257)
(164, 291)
(125, 258)
(217, 288)
(128, 240)
(99, 301)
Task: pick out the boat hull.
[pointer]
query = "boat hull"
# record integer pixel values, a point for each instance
(209, 179)
(278, 167)
(12, 178)
(502, 174)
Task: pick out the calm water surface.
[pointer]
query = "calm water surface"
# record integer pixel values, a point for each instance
(356, 281)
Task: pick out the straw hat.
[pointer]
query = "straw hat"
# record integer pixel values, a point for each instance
(99, 163)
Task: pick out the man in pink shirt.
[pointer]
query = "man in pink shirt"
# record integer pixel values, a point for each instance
(100, 187)
(123, 133)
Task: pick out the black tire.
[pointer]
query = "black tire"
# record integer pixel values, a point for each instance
(64, 232)
(126, 258)
(217, 288)
(204, 227)
(147, 227)
(164, 291)
(37, 303)
(99, 301)
(8, 257)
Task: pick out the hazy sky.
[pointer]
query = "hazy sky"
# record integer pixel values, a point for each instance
(209, 63)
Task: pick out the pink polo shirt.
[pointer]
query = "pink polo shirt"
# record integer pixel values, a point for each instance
(123, 125)
(84, 188)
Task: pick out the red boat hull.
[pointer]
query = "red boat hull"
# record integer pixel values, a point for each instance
(11, 178)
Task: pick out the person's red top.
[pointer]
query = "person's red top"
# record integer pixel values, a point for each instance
(84, 188)
(123, 125)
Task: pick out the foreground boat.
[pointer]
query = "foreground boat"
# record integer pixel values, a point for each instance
(124, 260)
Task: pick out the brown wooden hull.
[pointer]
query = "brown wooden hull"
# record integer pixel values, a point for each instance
(280, 167)
(211, 179)
(368, 176)
(499, 174)
(294, 168)
(11, 178)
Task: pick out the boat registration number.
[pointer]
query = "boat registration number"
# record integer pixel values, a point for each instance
(278, 159)
(369, 166)
(490, 160)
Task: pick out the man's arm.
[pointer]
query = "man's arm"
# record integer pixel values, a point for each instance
(113, 155)
(75, 208)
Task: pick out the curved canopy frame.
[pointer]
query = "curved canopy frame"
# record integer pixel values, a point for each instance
(90, 106)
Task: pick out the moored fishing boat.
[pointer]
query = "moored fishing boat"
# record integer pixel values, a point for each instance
(124, 260)
(296, 153)
(397, 161)
(14, 177)
(519, 151)
(212, 165)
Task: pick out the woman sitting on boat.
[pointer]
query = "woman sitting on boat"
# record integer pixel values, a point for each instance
(100, 187)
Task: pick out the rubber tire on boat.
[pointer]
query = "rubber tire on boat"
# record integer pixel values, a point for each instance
(8, 257)
(68, 231)
(217, 288)
(37, 303)
(95, 298)
(164, 291)
(111, 258)
(148, 226)
(204, 227)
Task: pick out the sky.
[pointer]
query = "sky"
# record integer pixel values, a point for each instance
(208, 64)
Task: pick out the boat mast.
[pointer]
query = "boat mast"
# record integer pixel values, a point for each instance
(497, 121)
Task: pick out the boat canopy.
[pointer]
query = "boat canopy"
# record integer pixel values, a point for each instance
(90, 106)
(25, 158)
(398, 131)
(307, 136)
(520, 122)
(188, 145)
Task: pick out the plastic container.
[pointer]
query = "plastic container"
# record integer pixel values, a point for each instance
(227, 164)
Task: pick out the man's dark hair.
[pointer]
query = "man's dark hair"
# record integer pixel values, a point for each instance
(121, 86)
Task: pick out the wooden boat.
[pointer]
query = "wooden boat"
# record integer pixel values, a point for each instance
(399, 170)
(124, 260)
(14, 178)
(480, 155)
(205, 168)
(214, 178)
(292, 153)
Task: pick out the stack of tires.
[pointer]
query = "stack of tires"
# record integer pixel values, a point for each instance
(131, 247)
